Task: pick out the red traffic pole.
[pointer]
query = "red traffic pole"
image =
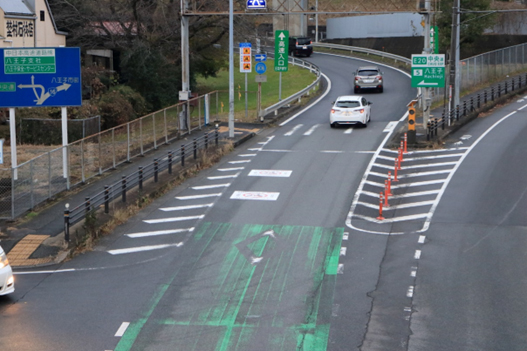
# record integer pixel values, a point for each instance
(405, 142)
(380, 218)
(395, 171)
(390, 183)
(386, 204)
(401, 152)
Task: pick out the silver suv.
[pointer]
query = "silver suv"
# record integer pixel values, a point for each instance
(368, 77)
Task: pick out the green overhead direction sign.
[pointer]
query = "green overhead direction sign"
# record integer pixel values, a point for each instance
(428, 71)
(281, 51)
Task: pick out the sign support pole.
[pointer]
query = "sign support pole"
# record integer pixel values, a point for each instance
(259, 99)
(64, 112)
(12, 134)
(280, 88)
(246, 108)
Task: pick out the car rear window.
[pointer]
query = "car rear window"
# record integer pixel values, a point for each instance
(303, 41)
(368, 73)
(348, 104)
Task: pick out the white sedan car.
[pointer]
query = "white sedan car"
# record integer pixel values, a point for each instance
(7, 282)
(350, 109)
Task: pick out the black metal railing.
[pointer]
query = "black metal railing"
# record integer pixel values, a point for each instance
(137, 179)
(475, 102)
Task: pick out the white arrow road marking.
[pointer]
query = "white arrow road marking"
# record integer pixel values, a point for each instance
(142, 248)
(295, 128)
(182, 208)
(159, 232)
(193, 197)
(172, 219)
(312, 129)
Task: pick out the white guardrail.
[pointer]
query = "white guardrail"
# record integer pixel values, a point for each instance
(354, 49)
(301, 63)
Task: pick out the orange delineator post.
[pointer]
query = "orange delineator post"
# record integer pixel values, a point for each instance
(398, 160)
(395, 172)
(380, 218)
(405, 142)
(386, 204)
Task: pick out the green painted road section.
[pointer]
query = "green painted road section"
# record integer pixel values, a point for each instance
(244, 287)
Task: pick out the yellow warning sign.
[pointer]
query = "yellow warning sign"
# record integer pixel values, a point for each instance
(247, 66)
(246, 58)
(246, 51)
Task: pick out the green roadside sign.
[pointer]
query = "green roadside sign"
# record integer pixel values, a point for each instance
(428, 71)
(281, 51)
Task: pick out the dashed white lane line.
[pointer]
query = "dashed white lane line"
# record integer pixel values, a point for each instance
(422, 239)
(246, 155)
(241, 161)
(332, 151)
(193, 197)
(173, 219)
(224, 177)
(417, 254)
(122, 329)
(295, 128)
(340, 268)
(255, 149)
(183, 208)
(312, 129)
(159, 232)
(201, 187)
(231, 169)
(142, 249)
(348, 131)
(410, 291)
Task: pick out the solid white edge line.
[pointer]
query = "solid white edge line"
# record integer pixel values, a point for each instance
(122, 329)
(46, 272)
(313, 104)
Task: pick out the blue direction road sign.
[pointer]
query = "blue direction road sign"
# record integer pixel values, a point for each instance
(256, 4)
(260, 68)
(260, 57)
(32, 77)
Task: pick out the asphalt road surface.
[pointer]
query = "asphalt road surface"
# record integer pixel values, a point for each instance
(278, 247)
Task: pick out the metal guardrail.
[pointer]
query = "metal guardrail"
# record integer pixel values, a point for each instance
(301, 63)
(353, 49)
(120, 188)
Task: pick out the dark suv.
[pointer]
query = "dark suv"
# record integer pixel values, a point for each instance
(300, 46)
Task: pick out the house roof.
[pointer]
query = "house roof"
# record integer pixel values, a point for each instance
(15, 7)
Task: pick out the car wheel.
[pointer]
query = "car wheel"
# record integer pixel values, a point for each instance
(333, 125)
(355, 90)
(381, 89)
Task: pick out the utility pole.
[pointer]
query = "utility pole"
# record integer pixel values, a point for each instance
(185, 65)
(316, 21)
(454, 59)
(231, 69)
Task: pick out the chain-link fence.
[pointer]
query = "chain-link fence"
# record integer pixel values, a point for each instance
(488, 67)
(49, 131)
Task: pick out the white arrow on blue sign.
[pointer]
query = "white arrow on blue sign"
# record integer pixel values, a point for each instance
(260, 57)
(256, 4)
(260, 68)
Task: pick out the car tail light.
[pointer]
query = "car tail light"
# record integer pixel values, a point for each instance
(310, 42)
(379, 77)
(357, 78)
(362, 110)
(333, 110)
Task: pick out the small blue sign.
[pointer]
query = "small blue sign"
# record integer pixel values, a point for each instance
(260, 68)
(245, 45)
(35, 77)
(256, 4)
(260, 57)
